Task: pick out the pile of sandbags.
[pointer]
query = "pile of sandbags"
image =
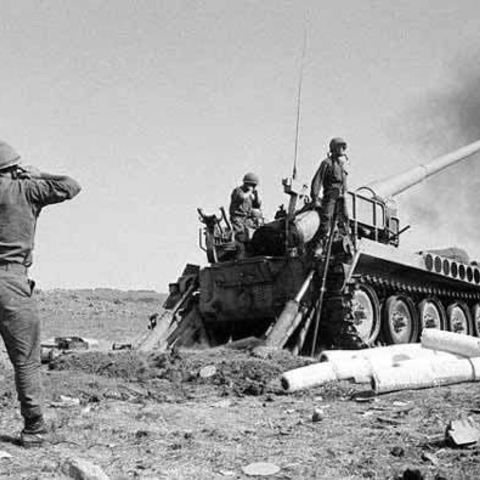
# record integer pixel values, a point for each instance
(443, 358)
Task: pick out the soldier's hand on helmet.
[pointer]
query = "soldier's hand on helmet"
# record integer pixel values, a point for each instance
(29, 171)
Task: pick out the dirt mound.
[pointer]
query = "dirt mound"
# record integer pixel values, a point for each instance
(231, 372)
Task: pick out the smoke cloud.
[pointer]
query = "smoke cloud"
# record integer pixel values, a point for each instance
(446, 208)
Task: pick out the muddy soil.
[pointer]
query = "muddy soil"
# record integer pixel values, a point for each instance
(166, 416)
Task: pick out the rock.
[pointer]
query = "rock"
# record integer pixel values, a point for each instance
(430, 457)
(80, 469)
(261, 469)
(4, 455)
(65, 402)
(264, 352)
(207, 371)
(411, 475)
(317, 415)
(397, 451)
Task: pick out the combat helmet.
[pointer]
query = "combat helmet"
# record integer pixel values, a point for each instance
(251, 179)
(336, 142)
(8, 156)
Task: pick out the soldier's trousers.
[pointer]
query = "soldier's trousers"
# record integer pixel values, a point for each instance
(20, 330)
(333, 203)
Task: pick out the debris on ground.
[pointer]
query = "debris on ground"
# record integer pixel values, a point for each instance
(462, 432)
(430, 457)
(65, 402)
(317, 415)
(208, 371)
(53, 347)
(4, 455)
(397, 451)
(261, 469)
(80, 469)
(411, 474)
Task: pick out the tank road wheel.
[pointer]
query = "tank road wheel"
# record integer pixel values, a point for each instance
(431, 314)
(400, 320)
(459, 319)
(366, 313)
(476, 319)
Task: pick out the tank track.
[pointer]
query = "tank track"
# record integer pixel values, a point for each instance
(385, 286)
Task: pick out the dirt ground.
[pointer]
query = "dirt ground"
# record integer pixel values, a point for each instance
(155, 416)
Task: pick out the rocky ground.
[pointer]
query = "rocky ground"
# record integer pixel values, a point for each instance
(166, 416)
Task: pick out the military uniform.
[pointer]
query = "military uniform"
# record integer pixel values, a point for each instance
(331, 178)
(21, 201)
(245, 213)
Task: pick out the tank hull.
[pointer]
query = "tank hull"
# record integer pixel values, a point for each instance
(403, 289)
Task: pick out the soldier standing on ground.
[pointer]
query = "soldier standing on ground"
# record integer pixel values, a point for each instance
(330, 181)
(24, 191)
(245, 211)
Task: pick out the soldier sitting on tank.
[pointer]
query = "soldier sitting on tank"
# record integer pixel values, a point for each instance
(330, 181)
(245, 212)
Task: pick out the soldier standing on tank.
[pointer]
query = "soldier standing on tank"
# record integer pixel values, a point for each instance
(330, 181)
(24, 191)
(245, 211)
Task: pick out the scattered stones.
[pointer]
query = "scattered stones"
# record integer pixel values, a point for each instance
(261, 469)
(80, 469)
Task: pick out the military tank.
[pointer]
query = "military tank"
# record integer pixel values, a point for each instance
(388, 294)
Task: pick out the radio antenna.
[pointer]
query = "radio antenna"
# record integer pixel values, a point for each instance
(299, 99)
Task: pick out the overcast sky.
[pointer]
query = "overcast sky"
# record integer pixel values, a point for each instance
(158, 107)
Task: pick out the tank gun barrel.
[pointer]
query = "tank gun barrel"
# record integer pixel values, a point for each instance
(396, 184)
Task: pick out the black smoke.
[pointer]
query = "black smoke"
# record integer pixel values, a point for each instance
(446, 208)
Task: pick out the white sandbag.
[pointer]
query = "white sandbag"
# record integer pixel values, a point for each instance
(411, 374)
(453, 371)
(476, 367)
(458, 343)
(424, 373)
(409, 350)
(339, 355)
(358, 369)
(309, 376)
(404, 352)
(361, 369)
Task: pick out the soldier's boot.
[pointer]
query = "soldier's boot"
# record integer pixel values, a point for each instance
(34, 433)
